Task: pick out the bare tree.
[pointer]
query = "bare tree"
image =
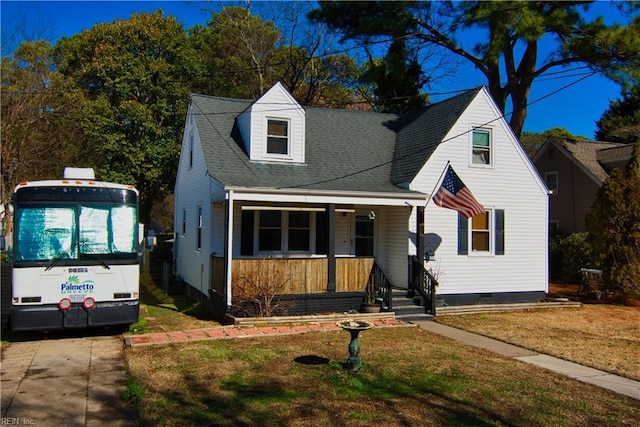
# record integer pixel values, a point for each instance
(39, 127)
(24, 26)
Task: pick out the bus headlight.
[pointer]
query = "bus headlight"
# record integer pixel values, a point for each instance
(64, 304)
(89, 303)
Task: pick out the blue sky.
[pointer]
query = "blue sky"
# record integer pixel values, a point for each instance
(575, 108)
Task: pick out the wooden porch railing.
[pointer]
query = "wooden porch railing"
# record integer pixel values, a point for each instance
(423, 282)
(380, 286)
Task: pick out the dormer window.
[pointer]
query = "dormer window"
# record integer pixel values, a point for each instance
(274, 137)
(278, 137)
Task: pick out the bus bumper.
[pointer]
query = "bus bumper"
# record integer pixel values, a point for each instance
(49, 317)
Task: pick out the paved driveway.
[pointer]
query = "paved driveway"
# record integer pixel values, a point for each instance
(65, 379)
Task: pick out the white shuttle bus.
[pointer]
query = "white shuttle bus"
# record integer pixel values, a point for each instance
(75, 253)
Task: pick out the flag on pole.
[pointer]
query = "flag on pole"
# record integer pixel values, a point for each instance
(453, 194)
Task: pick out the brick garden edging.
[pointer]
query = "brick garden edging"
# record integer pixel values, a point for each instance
(251, 331)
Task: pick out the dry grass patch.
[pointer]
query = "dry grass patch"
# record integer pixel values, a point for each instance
(605, 337)
(409, 378)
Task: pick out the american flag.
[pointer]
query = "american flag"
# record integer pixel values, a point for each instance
(453, 194)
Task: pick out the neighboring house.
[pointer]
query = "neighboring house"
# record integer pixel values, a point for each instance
(573, 171)
(325, 196)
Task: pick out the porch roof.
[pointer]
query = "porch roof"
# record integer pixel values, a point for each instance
(270, 195)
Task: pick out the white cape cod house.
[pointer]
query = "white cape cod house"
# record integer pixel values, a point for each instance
(329, 197)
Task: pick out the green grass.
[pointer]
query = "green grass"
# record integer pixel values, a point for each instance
(408, 378)
(134, 391)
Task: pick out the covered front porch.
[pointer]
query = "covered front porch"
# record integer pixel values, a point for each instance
(311, 257)
(300, 285)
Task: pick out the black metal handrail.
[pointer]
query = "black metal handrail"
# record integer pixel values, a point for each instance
(379, 287)
(424, 283)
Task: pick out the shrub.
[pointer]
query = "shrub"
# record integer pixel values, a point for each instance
(614, 228)
(258, 292)
(573, 252)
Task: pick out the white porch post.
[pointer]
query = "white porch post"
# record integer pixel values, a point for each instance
(228, 255)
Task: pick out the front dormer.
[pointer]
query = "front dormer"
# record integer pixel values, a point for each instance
(273, 128)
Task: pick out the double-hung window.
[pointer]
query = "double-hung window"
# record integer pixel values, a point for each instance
(482, 234)
(278, 137)
(481, 147)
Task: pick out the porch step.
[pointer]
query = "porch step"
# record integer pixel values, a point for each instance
(407, 308)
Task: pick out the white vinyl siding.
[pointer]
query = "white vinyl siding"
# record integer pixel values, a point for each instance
(253, 124)
(343, 233)
(511, 185)
(393, 254)
(192, 190)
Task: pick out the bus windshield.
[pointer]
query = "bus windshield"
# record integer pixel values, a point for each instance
(75, 232)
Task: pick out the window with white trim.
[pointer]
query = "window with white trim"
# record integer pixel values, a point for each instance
(278, 137)
(482, 234)
(481, 147)
(281, 232)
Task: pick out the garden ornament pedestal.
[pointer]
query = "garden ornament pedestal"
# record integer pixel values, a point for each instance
(354, 327)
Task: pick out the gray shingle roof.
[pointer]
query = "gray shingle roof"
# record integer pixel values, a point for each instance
(345, 150)
(421, 132)
(606, 154)
(586, 152)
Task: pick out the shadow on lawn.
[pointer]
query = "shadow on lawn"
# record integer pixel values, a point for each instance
(311, 360)
(244, 399)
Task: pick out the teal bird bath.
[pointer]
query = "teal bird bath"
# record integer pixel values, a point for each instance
(354, 327)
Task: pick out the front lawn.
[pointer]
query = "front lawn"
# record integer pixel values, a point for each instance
(602, 336)
(409, 378)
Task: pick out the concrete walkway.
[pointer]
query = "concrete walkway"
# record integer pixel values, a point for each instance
(585, 374)
(65, 381)
(582, 373)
